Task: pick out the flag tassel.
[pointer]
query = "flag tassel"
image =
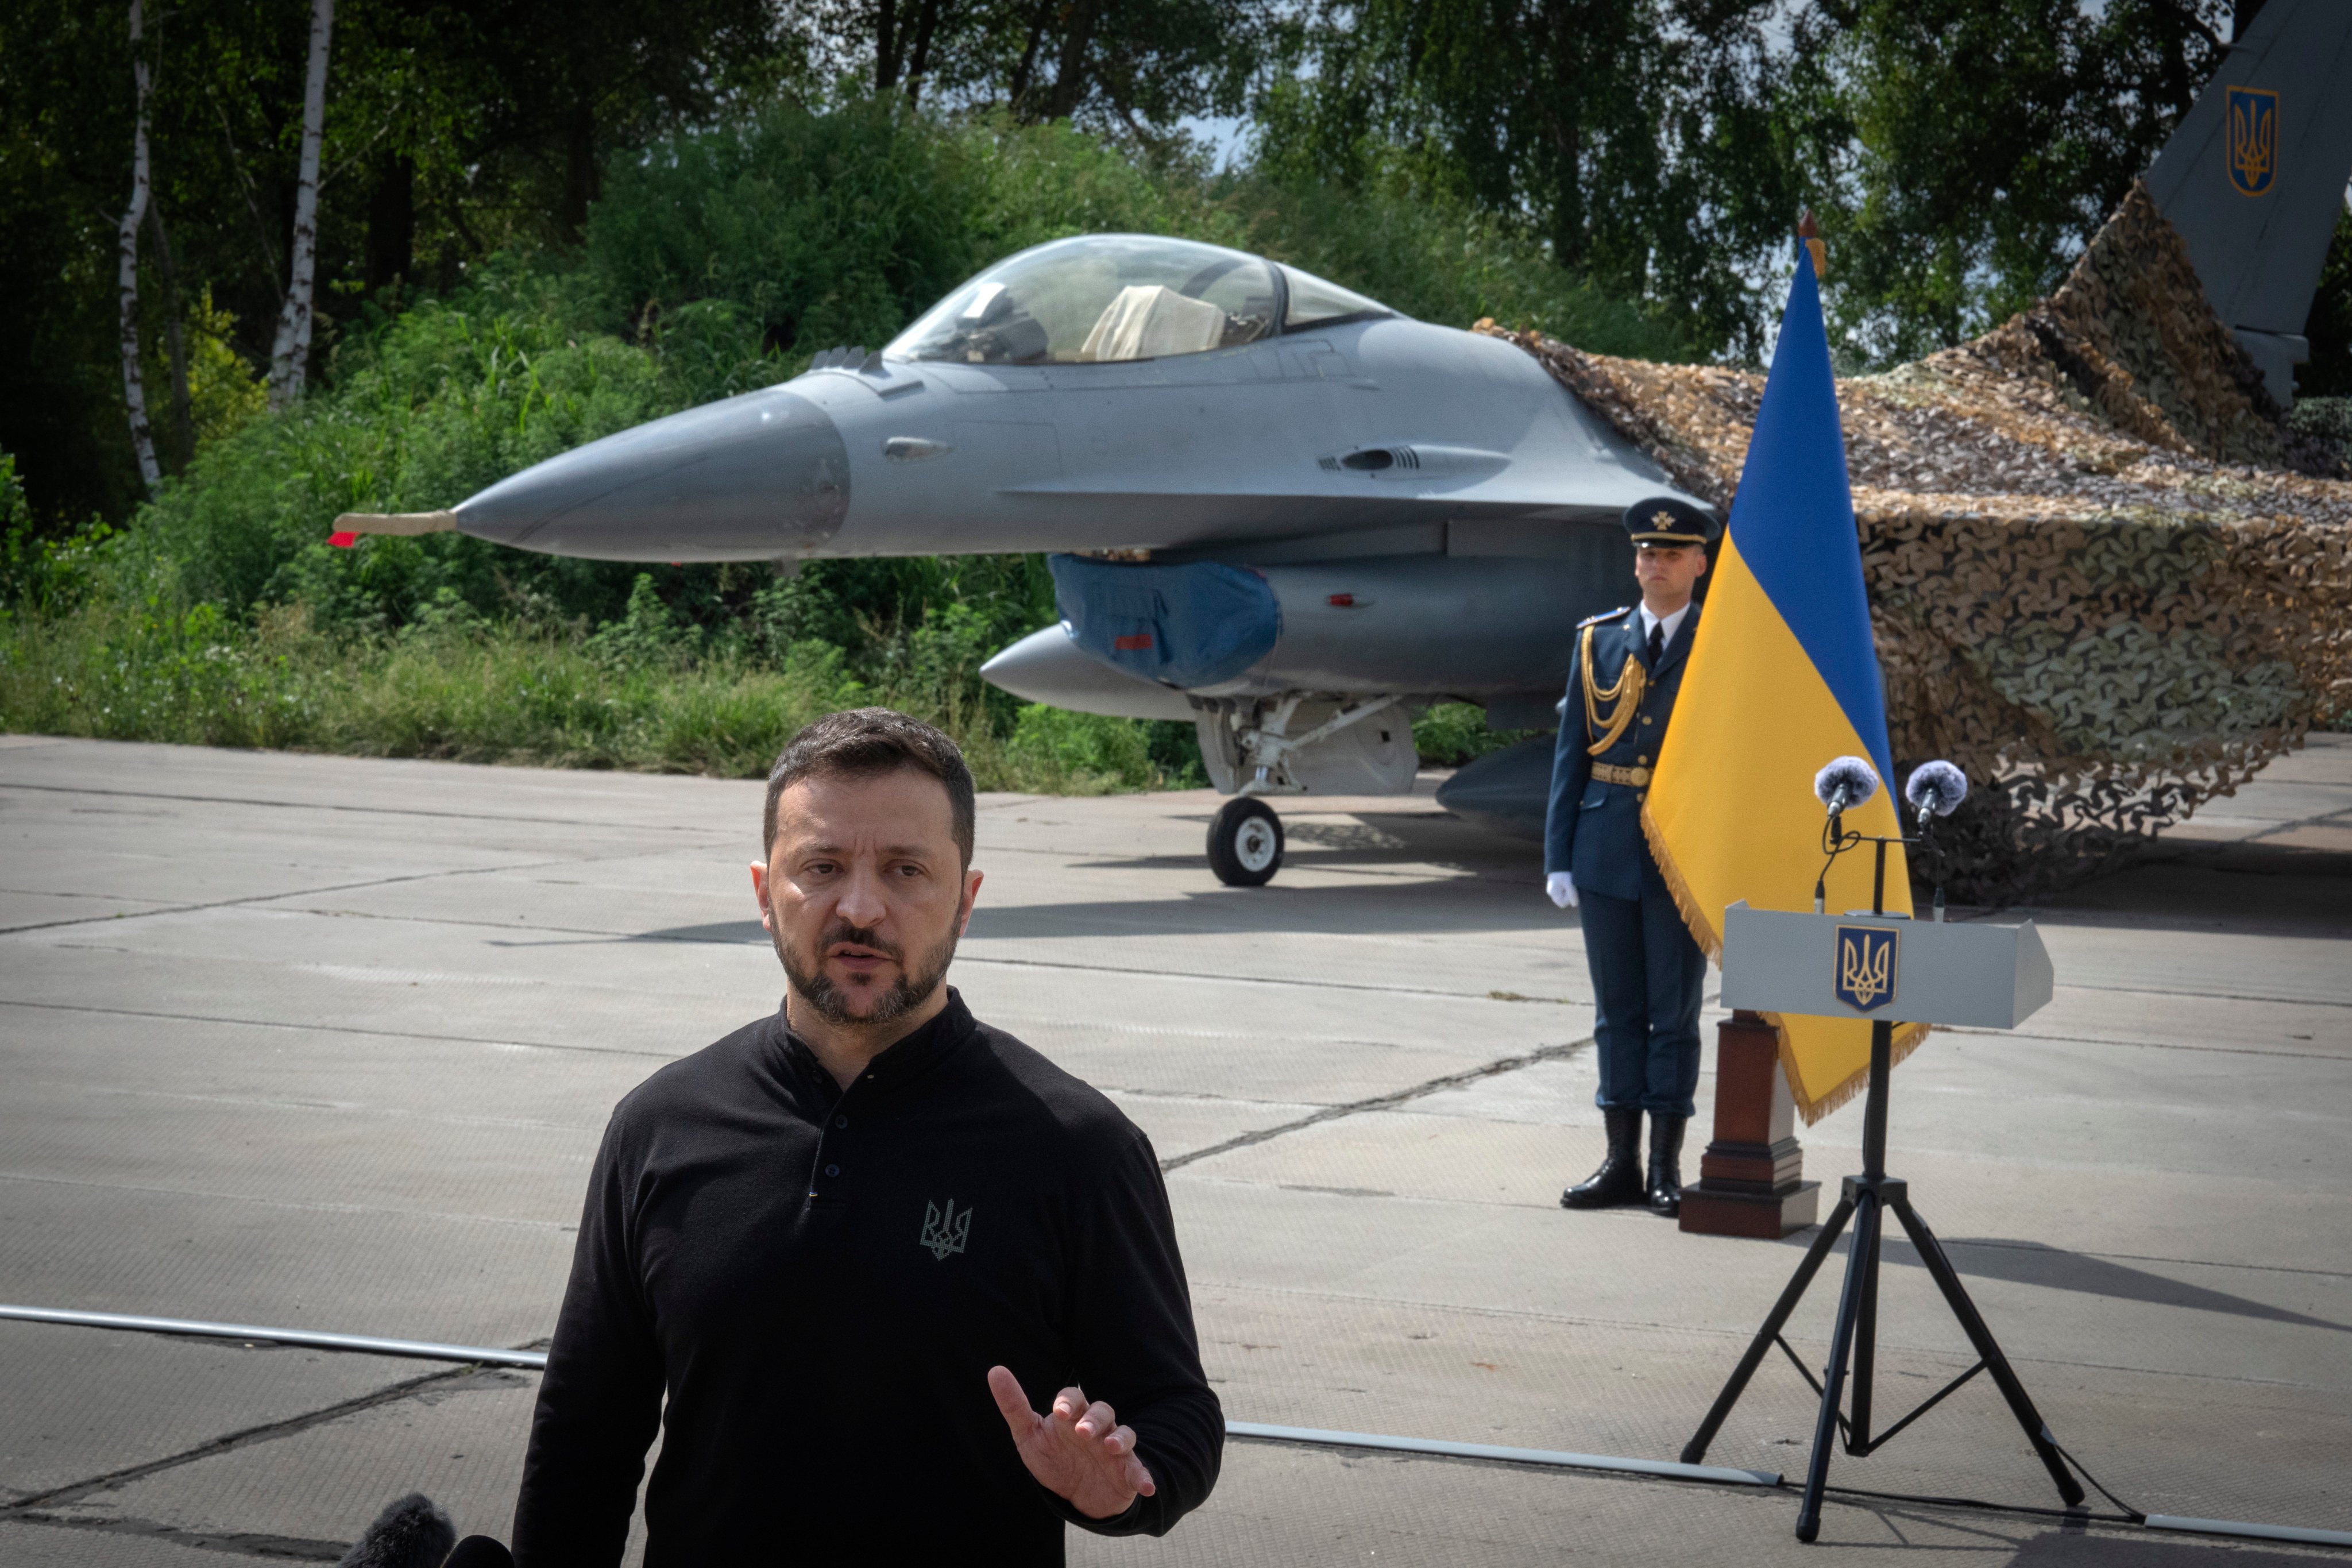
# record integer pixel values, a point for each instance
(1702, 928)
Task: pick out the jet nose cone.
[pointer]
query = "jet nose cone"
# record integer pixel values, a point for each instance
(764, 474)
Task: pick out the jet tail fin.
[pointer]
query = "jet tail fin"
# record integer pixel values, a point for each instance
(2254, 176)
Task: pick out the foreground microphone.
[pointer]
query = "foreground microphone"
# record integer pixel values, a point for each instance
(412, 1532)
(1847, 781)
(1844, 785)
(1936, 787)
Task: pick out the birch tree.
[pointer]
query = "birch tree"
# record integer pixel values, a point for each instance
(290, 355)
(134, 392)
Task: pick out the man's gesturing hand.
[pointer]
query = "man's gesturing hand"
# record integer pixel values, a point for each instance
(1078, 1452)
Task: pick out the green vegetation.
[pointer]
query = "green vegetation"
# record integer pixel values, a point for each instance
(542, 225)
(1452, 733)
(451, 689)
(719, 261)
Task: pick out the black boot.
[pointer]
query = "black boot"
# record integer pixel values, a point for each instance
(1666, 1164)
(1619, 1180)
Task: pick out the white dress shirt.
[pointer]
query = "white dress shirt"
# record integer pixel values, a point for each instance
(1673, 623)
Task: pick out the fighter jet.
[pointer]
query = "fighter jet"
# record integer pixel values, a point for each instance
(1276, 507)
(1273, 507)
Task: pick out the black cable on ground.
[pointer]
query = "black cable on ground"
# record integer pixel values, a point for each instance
(1979, 1503)
(2129, 1515)
(2137, 1516)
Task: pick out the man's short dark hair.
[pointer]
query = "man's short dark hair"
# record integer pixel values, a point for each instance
(863, 742)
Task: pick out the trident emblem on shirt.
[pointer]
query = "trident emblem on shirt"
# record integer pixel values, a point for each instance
(945, 1233)
(1865, 966)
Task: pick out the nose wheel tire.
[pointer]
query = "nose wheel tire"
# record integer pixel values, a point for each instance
(1245, 843)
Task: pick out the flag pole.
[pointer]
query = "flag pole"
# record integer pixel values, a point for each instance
(1785, 540)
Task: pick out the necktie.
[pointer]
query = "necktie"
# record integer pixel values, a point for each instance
(1657, 642)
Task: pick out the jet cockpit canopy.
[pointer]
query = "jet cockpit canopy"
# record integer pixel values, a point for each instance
(1103, 298)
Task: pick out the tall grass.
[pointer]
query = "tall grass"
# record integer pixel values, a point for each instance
(508, 693)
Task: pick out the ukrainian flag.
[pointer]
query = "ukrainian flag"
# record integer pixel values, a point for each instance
(1783, 677)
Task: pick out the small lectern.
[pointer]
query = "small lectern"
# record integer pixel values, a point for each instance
(1884, 968)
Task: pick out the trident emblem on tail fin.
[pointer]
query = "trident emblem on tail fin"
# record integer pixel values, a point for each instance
(2253, 116)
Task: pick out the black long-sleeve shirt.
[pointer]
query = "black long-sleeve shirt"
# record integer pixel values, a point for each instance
(818, 1281)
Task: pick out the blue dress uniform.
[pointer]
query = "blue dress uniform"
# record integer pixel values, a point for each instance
(1647, 973)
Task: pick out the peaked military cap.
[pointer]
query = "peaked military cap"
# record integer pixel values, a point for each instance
(1662, 520)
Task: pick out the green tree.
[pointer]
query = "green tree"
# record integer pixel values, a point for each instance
(452, 130)
(570, 82)
(2329, 330)
(1130, 68)
(1633, 136)
(1959, 153)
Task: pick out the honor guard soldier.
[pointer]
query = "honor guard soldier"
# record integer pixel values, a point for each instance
(1646, 970)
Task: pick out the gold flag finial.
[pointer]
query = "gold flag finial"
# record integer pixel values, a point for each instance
(1812, 235)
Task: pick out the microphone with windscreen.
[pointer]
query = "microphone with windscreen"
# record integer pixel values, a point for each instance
(1935, 789)
(1844, 785)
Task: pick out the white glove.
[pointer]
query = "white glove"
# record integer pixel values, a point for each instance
(1561, 886)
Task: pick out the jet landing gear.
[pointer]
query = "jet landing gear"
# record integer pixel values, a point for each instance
(1245, 843)
(1248, 748)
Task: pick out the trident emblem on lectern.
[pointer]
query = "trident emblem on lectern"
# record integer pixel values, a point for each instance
(1865, 966)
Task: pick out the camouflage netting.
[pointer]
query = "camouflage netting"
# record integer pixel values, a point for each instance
(2106, 578)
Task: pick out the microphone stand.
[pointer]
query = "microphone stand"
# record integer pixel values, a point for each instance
(1865, 1200)
(1926, 840)
(1836, 841)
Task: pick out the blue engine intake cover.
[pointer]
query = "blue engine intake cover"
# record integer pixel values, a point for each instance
(1186, 627)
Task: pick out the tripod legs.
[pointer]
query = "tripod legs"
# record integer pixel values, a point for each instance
(1868, 1230)
(1853, 1340)
(1695, 1451)
(1860, 1295)
(1948, 1279)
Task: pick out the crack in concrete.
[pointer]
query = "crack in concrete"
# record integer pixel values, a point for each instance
(2206, 995)
(1942, 1355)
(1228, 978)
(364, 810)
(267, 898)
(37, 1178)
(594, 935)
(1381, 1102)
(276, 1548)
(2029, 1037)
(247, 1437)
(332, 1029)
(56, 893)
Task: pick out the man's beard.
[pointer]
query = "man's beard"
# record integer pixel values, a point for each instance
(913, 987)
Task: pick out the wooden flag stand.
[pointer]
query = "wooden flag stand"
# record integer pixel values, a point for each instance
(1752, 1178)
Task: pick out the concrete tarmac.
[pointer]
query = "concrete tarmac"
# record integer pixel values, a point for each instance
(327, 1043)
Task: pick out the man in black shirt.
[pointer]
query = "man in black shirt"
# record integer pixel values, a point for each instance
(846, 1241)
